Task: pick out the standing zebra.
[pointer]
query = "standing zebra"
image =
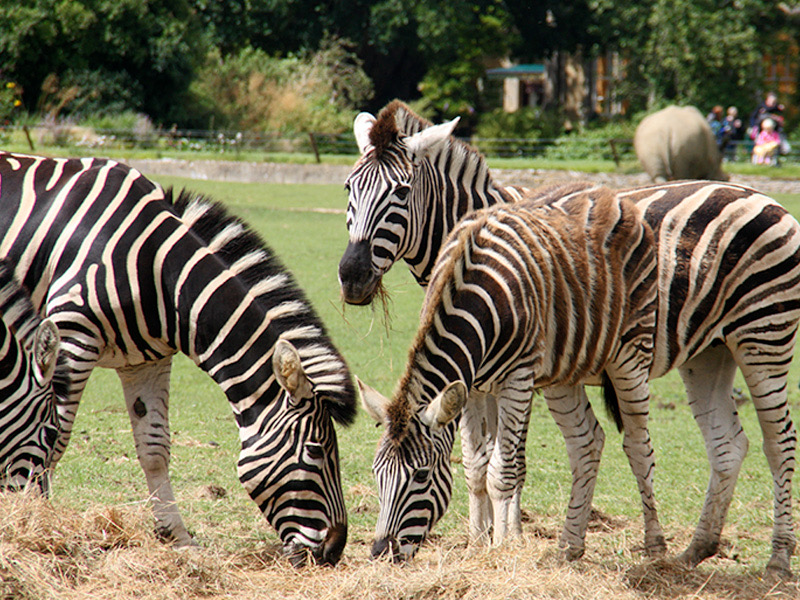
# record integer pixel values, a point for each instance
(729, 288)
(131, 277)
(28, 418)
(528, 296)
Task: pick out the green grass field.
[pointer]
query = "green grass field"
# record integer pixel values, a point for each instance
(100, 464)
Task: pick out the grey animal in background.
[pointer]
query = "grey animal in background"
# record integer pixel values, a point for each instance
(677, 143)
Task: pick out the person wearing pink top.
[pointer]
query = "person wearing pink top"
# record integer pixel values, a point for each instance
(768, 141)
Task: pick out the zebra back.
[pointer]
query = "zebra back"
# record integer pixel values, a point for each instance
(563, 283)
(234, 242)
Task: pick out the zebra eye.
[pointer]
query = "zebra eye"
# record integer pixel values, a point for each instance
(421, 475)
(315, 451)
(402, 191)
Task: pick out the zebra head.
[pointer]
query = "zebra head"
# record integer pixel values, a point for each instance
(385, 200)
(412, 467)
(29, 425)
(293, 473)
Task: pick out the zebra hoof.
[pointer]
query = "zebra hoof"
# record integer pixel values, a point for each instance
(656, 548)
(778, 566)
(179, 540)
(572, 553)
(697, 553)
(775, 573)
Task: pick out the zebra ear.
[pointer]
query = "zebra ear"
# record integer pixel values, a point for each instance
(373, 402)
(424, 142)
(446, 406)
(361, 127)
(46, 342)
(289, 371)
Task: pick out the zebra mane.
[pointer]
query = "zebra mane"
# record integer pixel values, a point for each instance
(208, 218)
(16, 309)
(396, 119)
(401, 409)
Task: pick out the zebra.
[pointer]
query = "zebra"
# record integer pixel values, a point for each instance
(538, 294)
(720, 309)
(131, 275)
(28, 419)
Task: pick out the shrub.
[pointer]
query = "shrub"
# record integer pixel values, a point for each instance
(253, 91)
(593, 143)
(515, 131)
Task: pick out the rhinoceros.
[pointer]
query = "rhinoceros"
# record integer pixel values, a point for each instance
(677, 143)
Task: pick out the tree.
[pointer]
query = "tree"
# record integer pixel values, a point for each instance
(701, 52)
(123, 54)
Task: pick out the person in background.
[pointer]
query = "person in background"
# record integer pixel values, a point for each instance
(731, 133)
(768, 141)
(716, 119)
(770, 108)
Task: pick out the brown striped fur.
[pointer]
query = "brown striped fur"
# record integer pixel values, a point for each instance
(584, 221)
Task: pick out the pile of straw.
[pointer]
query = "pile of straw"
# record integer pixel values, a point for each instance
(47, 552)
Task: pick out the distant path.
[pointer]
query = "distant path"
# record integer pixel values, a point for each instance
(249, 172)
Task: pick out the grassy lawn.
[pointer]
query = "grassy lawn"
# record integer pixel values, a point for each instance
(100, 464)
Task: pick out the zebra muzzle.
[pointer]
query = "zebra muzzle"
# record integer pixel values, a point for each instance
(356, 275)
(389, 546)
(330, 550)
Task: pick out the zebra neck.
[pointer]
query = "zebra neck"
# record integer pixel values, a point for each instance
(450, 185)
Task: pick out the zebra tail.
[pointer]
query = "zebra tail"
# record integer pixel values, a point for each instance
(611, 401)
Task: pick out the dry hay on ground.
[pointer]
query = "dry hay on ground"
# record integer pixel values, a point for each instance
(47, 552)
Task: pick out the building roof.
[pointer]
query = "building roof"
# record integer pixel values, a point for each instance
(524, 70)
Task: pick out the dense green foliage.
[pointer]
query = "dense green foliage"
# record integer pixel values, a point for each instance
(700, 52)
(239, 63)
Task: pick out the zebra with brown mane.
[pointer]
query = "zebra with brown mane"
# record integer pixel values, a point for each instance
(543, 294)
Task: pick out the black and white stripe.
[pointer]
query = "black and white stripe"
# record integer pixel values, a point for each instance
(28, 419)
(547, 293)
(131, 277)
(727, 258)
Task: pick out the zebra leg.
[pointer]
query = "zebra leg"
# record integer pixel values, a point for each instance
(513, 411)
(146, 389)
(767, 384)
(515, 518)
(708, 378)
(478, 430)
(633, 394)
(584, 439)
(81, 352)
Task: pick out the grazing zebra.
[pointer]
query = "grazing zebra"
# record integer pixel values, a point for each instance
(28, 418)
(533, 295)
(131, 276)
(728, 279)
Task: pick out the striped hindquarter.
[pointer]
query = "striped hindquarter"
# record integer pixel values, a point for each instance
(729, 281)
(28, 419)
(131, 276)
(456, 181)
(523, 297)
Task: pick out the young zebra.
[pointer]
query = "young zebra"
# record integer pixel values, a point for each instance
(544, 294)
(28, 418)
(720, 307)
(131, 277)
